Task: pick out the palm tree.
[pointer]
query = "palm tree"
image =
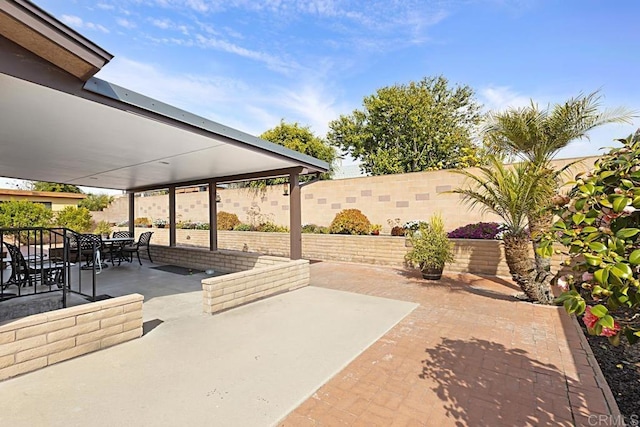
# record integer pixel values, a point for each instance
(512, 193)
(536, 135)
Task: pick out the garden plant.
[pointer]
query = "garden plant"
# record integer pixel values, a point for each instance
(599, 227)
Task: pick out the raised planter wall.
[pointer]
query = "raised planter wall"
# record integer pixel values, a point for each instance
(224, 292)
(36, 341)
(471, 256)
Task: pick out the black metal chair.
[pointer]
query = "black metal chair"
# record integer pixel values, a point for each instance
(89, 246)
(143, 241)
(24, 273)
(115, 249)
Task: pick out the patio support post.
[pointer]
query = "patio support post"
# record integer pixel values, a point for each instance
(132, 210)
(172, 216)
(295, 217)
(213, 216)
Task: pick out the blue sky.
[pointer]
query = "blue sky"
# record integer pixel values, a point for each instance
(250, 63)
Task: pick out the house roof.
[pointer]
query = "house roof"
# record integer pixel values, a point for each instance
(51, 194)
(60, 124)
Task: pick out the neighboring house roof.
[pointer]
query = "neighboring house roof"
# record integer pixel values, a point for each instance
(51, 194)
(92, 133)
(348, 171)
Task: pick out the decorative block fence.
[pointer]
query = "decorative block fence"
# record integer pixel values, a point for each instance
(36, 341)
(471, 256)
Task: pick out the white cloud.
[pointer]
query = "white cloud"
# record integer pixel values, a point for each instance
(272, 62)
(77, 22)
(126, 23)
(500, 98)
(105, 6)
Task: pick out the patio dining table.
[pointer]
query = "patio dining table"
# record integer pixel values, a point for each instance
(115, 245)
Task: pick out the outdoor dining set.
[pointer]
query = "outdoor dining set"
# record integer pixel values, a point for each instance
(39, 265)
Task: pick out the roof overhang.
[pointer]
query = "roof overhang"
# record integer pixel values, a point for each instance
(57, 127)
(34, 29)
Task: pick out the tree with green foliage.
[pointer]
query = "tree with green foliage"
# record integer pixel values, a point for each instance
(536, 135)
(298, 138)
(513, 194)
(22, 213)
(76, 219)
(96, 202)
(425, 125)
(54, 187)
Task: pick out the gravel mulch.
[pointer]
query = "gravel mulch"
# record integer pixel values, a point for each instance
(621, 368)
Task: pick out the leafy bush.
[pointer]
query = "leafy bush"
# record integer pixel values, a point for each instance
(431, 248)
(350, 221)
(243, 227)
(270, 227)
(309, 228)
(103, 228)
(599, 226)
(478, 230)
(202, 226)
(142, 222)
(186, 225)
(227, 221)
(77, 219)
(17, 214)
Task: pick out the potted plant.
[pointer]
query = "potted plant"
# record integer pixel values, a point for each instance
(375, 229)
(103, 228)
(431, 248)
(160, 223)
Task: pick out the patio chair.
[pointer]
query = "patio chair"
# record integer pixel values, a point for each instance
(115, 249)
(89, 246)
(28, 273)
(143, 241)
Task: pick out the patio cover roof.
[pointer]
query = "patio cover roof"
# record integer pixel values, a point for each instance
(61, 124)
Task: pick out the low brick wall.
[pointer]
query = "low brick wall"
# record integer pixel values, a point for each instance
(224, 292)
(222, 260)
(33, 342)
(471, 256)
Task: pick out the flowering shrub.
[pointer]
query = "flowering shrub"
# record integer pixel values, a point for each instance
(478, 230)
(599, 226)
(414, 225)
(160, 222)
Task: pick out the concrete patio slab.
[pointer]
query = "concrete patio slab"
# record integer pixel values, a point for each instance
(249, 366)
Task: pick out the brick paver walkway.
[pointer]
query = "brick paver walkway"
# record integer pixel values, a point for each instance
(470, 355)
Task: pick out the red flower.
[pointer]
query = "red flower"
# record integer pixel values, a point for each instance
(590, 319)
(606, 332)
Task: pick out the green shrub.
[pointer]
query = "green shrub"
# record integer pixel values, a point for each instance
(103, 228)
(17, 214)
(77, 219)
(202, 225)
(309, 228)
(270, 227)
(350, 221)
(142, 222)
(243, 227)
(227, 221)
(322, 229)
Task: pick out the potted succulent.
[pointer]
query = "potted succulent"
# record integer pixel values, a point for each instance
(160, 223)
(430, 249)
(375, 229)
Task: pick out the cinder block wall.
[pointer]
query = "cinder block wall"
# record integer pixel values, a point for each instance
(33, 342)
(224, 292)
(411, 196)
